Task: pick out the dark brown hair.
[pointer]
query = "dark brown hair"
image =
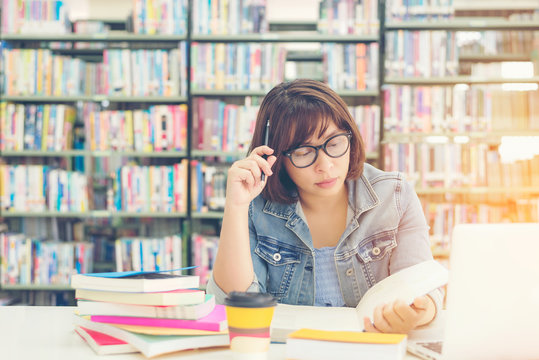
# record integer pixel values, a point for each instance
(296, 110)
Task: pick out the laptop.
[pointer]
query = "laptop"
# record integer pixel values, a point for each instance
(492, 295)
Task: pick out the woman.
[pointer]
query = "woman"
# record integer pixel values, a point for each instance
(323, 226)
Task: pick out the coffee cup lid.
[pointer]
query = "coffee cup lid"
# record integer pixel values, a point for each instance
(250, 299)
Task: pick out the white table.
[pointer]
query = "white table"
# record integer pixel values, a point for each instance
(46, 332)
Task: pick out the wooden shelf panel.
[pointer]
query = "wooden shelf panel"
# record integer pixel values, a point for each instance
(91, 214)
(281, 37)
(463, 24)
(453, 80)
(111, 37)
(493, 137)
(95, 98)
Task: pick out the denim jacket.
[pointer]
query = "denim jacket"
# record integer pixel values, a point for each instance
(387, 233)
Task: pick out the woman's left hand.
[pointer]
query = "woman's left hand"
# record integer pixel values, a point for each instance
(399, 317)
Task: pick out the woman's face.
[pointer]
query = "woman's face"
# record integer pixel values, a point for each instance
(326, 176)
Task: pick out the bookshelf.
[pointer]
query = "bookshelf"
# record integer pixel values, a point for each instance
(87, 74)
(471, 113)
(289, 45)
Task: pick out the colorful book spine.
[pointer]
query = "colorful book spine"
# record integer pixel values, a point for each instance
(151, 188)
(145, 72)
(148, 254)
(204, 251)
(127, 130)
(457, 109)
(247, 74)
(31, 17)
(28, 261)
(350, 66)
(215, 321)
(229, 17)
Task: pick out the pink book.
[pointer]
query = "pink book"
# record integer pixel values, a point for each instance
(104, 344)
(215, 321)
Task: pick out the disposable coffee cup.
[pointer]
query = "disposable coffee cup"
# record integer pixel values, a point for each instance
(249, 316)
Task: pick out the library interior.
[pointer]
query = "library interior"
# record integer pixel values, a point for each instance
(129, 113)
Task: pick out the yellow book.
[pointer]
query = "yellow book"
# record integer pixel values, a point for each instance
(4, 196)
(129, 130)
(154, 330)
(91, 130)
(310, 344)
(348, 336)
(3, 125)
(151, 21)
(45, 129)
(39, 75)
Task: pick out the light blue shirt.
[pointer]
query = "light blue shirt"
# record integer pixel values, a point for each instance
(327, 291)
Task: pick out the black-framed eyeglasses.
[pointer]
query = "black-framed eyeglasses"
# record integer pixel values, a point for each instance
(304, 156)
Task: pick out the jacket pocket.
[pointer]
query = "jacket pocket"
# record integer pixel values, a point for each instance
(375, 247)
(282, 261)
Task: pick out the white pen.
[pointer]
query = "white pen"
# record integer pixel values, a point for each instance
(266, 140)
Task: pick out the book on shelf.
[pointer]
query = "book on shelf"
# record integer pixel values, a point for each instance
(259, 66)
(235, 121)
(123, 130)
(189, 312)
(34, 261)
(406, 284)
(350, 66)
(35, 188)
(148, 254)
(167, 17)
(423, 54)
(204, 251)
(151, 188)
(47, 127)
(134, 281)
(236, 17)
(310, 344)
(163, 298)
(399, 10)
(214, 321)
(33, 18)
(340, 17)
(153, 345)
(103, 344)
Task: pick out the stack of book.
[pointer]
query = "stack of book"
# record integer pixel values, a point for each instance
(148, 312)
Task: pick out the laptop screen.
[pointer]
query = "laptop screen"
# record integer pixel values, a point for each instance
(493, 292)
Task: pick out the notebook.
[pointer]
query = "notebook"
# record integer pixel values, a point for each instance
(492, 295)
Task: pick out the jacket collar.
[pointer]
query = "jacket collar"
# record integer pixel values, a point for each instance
(362, 195)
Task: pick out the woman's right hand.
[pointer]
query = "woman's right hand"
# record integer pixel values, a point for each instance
(244, 176)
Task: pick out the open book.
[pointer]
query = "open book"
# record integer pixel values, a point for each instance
(407, 284)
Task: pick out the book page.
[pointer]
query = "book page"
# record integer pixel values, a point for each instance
(407, 284)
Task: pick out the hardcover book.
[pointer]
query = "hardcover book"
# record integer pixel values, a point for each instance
(153, 345)
(215, 321)
(164, 298)
(104, 344)
(309, 344)
(134, 281)
(189, 312)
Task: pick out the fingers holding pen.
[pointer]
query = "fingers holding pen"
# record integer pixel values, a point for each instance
(263, 155)
(250, 169)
